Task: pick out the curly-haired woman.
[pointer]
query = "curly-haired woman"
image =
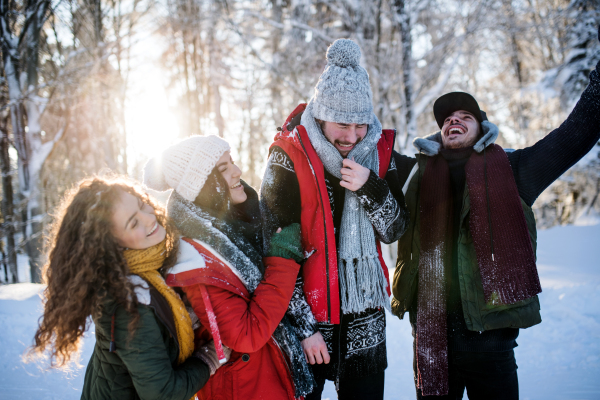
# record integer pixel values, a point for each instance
(239, 297)
(105, 251)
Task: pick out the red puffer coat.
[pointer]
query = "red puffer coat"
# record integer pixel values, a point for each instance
(258, 368)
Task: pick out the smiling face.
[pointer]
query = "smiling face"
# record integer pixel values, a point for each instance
(232, 174)
(134, 223)
(460, 130)
(344, 137)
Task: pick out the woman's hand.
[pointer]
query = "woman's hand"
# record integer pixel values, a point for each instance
(208, 354)
(287, 243)
(315, 349)
(354, 175)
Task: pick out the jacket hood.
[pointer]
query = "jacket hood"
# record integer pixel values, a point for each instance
(431, 145)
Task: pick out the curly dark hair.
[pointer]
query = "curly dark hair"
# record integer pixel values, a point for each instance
(85, 265)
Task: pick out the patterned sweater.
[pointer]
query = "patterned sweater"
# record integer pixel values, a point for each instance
(360, 338)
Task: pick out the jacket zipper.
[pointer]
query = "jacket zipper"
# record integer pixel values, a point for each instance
(324, 228)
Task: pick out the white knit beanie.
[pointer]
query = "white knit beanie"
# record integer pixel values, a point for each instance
(185, 165)
(343, 93)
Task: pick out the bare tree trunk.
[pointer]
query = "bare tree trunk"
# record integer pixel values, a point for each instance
(404, 25)
(8, 227)
(275, 84)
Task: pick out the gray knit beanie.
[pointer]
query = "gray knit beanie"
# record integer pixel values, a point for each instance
(343, 93)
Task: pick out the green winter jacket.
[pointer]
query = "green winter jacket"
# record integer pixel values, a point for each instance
(479, 315)
(144, 364)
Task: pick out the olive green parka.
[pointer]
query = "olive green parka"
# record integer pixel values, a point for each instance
(144, 365)
(479, 315)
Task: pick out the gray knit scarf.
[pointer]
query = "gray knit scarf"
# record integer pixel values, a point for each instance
(362, 282)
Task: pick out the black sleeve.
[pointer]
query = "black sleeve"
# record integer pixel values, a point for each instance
(299, 313)
(536, 167)
(279, 195)
(384, 203)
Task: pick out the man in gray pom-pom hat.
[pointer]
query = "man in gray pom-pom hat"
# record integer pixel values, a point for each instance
(332, 169)
(466, 270)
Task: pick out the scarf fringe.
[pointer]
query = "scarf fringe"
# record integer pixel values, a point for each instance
(363, 285)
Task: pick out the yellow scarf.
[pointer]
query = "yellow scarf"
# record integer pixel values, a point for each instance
(146, 263)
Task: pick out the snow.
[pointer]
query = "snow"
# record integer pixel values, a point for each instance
(558, 359)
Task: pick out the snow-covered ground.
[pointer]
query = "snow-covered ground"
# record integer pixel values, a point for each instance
(559, 359)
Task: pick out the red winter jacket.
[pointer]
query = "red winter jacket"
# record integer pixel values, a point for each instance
(320, 271)
(257, 369)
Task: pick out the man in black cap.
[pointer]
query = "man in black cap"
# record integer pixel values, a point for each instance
(466, 268)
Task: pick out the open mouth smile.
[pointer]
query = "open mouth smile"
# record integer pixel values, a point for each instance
(345, 146)
(154, 228)
(456, 130)
(236, 186)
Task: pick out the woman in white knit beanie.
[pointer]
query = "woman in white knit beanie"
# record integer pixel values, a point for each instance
(239, 298)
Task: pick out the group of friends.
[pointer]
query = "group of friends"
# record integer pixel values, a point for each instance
(226, 294)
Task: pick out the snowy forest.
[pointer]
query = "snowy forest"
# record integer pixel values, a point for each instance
(73, 72)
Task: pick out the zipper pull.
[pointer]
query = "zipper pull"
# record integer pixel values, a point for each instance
(337, 384)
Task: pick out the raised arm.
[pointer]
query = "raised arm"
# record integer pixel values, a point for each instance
(536, 167)
(247, 326)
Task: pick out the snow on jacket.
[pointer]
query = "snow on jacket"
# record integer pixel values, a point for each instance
(320, 270)
(144, 365)
(257, 368)
(534, 169)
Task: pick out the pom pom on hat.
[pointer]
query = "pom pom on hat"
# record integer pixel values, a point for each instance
(343, 53)
(154, 177)
(185, 165)
(343, 92)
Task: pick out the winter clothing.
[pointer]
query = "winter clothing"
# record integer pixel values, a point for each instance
(455, 101)
(486, 376)
(246, 322)
(146, 263)
(314, 198)
(208, 354)
(248, 307)
(144, 365)
(185, 165)
(298, 156)
(286, 244)
(343, 92)
(367, 388)
(508, 278)
(358, 262)
(472, 302)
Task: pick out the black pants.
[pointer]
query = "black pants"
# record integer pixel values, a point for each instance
(367, 388)
(485, 375)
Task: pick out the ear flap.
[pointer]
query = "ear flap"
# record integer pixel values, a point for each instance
(429, 145)
(490, 134)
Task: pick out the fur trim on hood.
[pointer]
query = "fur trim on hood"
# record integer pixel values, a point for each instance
(430, 145)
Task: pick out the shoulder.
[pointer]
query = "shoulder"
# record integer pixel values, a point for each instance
(188, 258)
(404, 164)
(280, 158)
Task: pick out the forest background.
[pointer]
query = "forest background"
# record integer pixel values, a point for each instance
(91, 85)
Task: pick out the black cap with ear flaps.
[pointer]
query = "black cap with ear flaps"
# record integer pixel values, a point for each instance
(454, 101)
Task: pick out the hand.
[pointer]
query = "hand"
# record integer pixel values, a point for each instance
(354, 175)
(315, 349)
(208, 354)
